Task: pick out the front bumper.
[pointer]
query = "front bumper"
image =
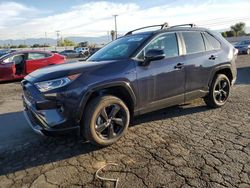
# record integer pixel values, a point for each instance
(48, 120)
(242, 50)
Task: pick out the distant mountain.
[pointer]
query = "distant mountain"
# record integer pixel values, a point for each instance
(91, 40)
(50, 41)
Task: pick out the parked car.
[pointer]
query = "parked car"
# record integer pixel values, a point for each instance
(135, 74)
(83, 50)
(243, 47)
(18, 64)
(71, 54)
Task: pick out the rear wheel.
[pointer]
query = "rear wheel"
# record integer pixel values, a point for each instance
(218, 92)
(248, 51)
(106, 120)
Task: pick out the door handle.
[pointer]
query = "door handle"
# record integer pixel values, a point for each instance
(212, 57)
(179, 66)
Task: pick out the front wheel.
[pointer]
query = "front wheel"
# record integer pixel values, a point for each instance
(218, 92)
(248, 51)
(106, 120)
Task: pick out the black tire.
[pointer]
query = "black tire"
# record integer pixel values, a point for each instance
(106, 120)
(218, 92)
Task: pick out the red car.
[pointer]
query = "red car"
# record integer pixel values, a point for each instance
(18, 64)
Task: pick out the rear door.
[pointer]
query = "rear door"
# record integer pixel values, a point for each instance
(198, 64)
(36, 60)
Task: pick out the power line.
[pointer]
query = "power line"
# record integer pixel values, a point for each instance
(204, 23)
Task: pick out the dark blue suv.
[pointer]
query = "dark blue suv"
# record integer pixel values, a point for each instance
(135, 74)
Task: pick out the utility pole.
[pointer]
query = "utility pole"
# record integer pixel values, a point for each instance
(24, 40)
(57, 35)
(112, 33)
(46, 40)
(115, 25)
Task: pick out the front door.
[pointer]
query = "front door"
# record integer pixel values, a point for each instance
(35, 61)
(12, 67)
(6, 70)
(162, 82)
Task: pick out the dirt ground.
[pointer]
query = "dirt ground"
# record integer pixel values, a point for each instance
(184, 146)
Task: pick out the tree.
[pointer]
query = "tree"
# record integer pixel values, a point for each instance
(224, 34)
(239, 28)
(22, 46)
(66, 42)
(35, 46)
(13, 46)
(83, 44)
(230, 33)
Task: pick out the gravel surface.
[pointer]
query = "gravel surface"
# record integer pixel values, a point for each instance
(184, 146)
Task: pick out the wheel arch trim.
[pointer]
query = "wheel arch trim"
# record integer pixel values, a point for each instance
(90, 91)
(217, 69)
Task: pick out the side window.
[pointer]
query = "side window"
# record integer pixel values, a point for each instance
(211, 42)
(208, 45)
(167, 43)
(34, 56)
(194, 42)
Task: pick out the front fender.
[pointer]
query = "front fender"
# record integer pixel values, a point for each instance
(126, 85)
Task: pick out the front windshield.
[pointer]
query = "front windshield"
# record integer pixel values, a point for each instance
(5, 56)
(121, 48)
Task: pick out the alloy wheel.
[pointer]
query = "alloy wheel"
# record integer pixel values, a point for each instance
(221, 91)
(110, 122)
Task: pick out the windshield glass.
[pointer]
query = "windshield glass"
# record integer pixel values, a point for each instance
(5, 56)
(121, 48)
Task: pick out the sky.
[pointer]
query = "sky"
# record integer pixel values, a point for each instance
(22, 19)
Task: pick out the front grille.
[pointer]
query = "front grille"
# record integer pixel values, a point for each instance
(27, 94)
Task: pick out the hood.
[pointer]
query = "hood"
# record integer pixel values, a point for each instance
(62, 70)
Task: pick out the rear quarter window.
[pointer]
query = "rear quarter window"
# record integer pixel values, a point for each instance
(211, 42)
(194, 42)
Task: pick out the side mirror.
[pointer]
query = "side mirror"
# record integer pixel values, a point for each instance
(153, 55)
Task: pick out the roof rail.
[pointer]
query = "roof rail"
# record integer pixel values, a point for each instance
(191, 25)
(162, 26)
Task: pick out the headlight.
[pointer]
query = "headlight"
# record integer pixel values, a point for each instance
(56, 83)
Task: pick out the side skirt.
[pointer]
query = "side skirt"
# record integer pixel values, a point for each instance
(171, 101)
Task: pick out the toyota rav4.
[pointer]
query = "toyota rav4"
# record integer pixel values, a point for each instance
(138, 73)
